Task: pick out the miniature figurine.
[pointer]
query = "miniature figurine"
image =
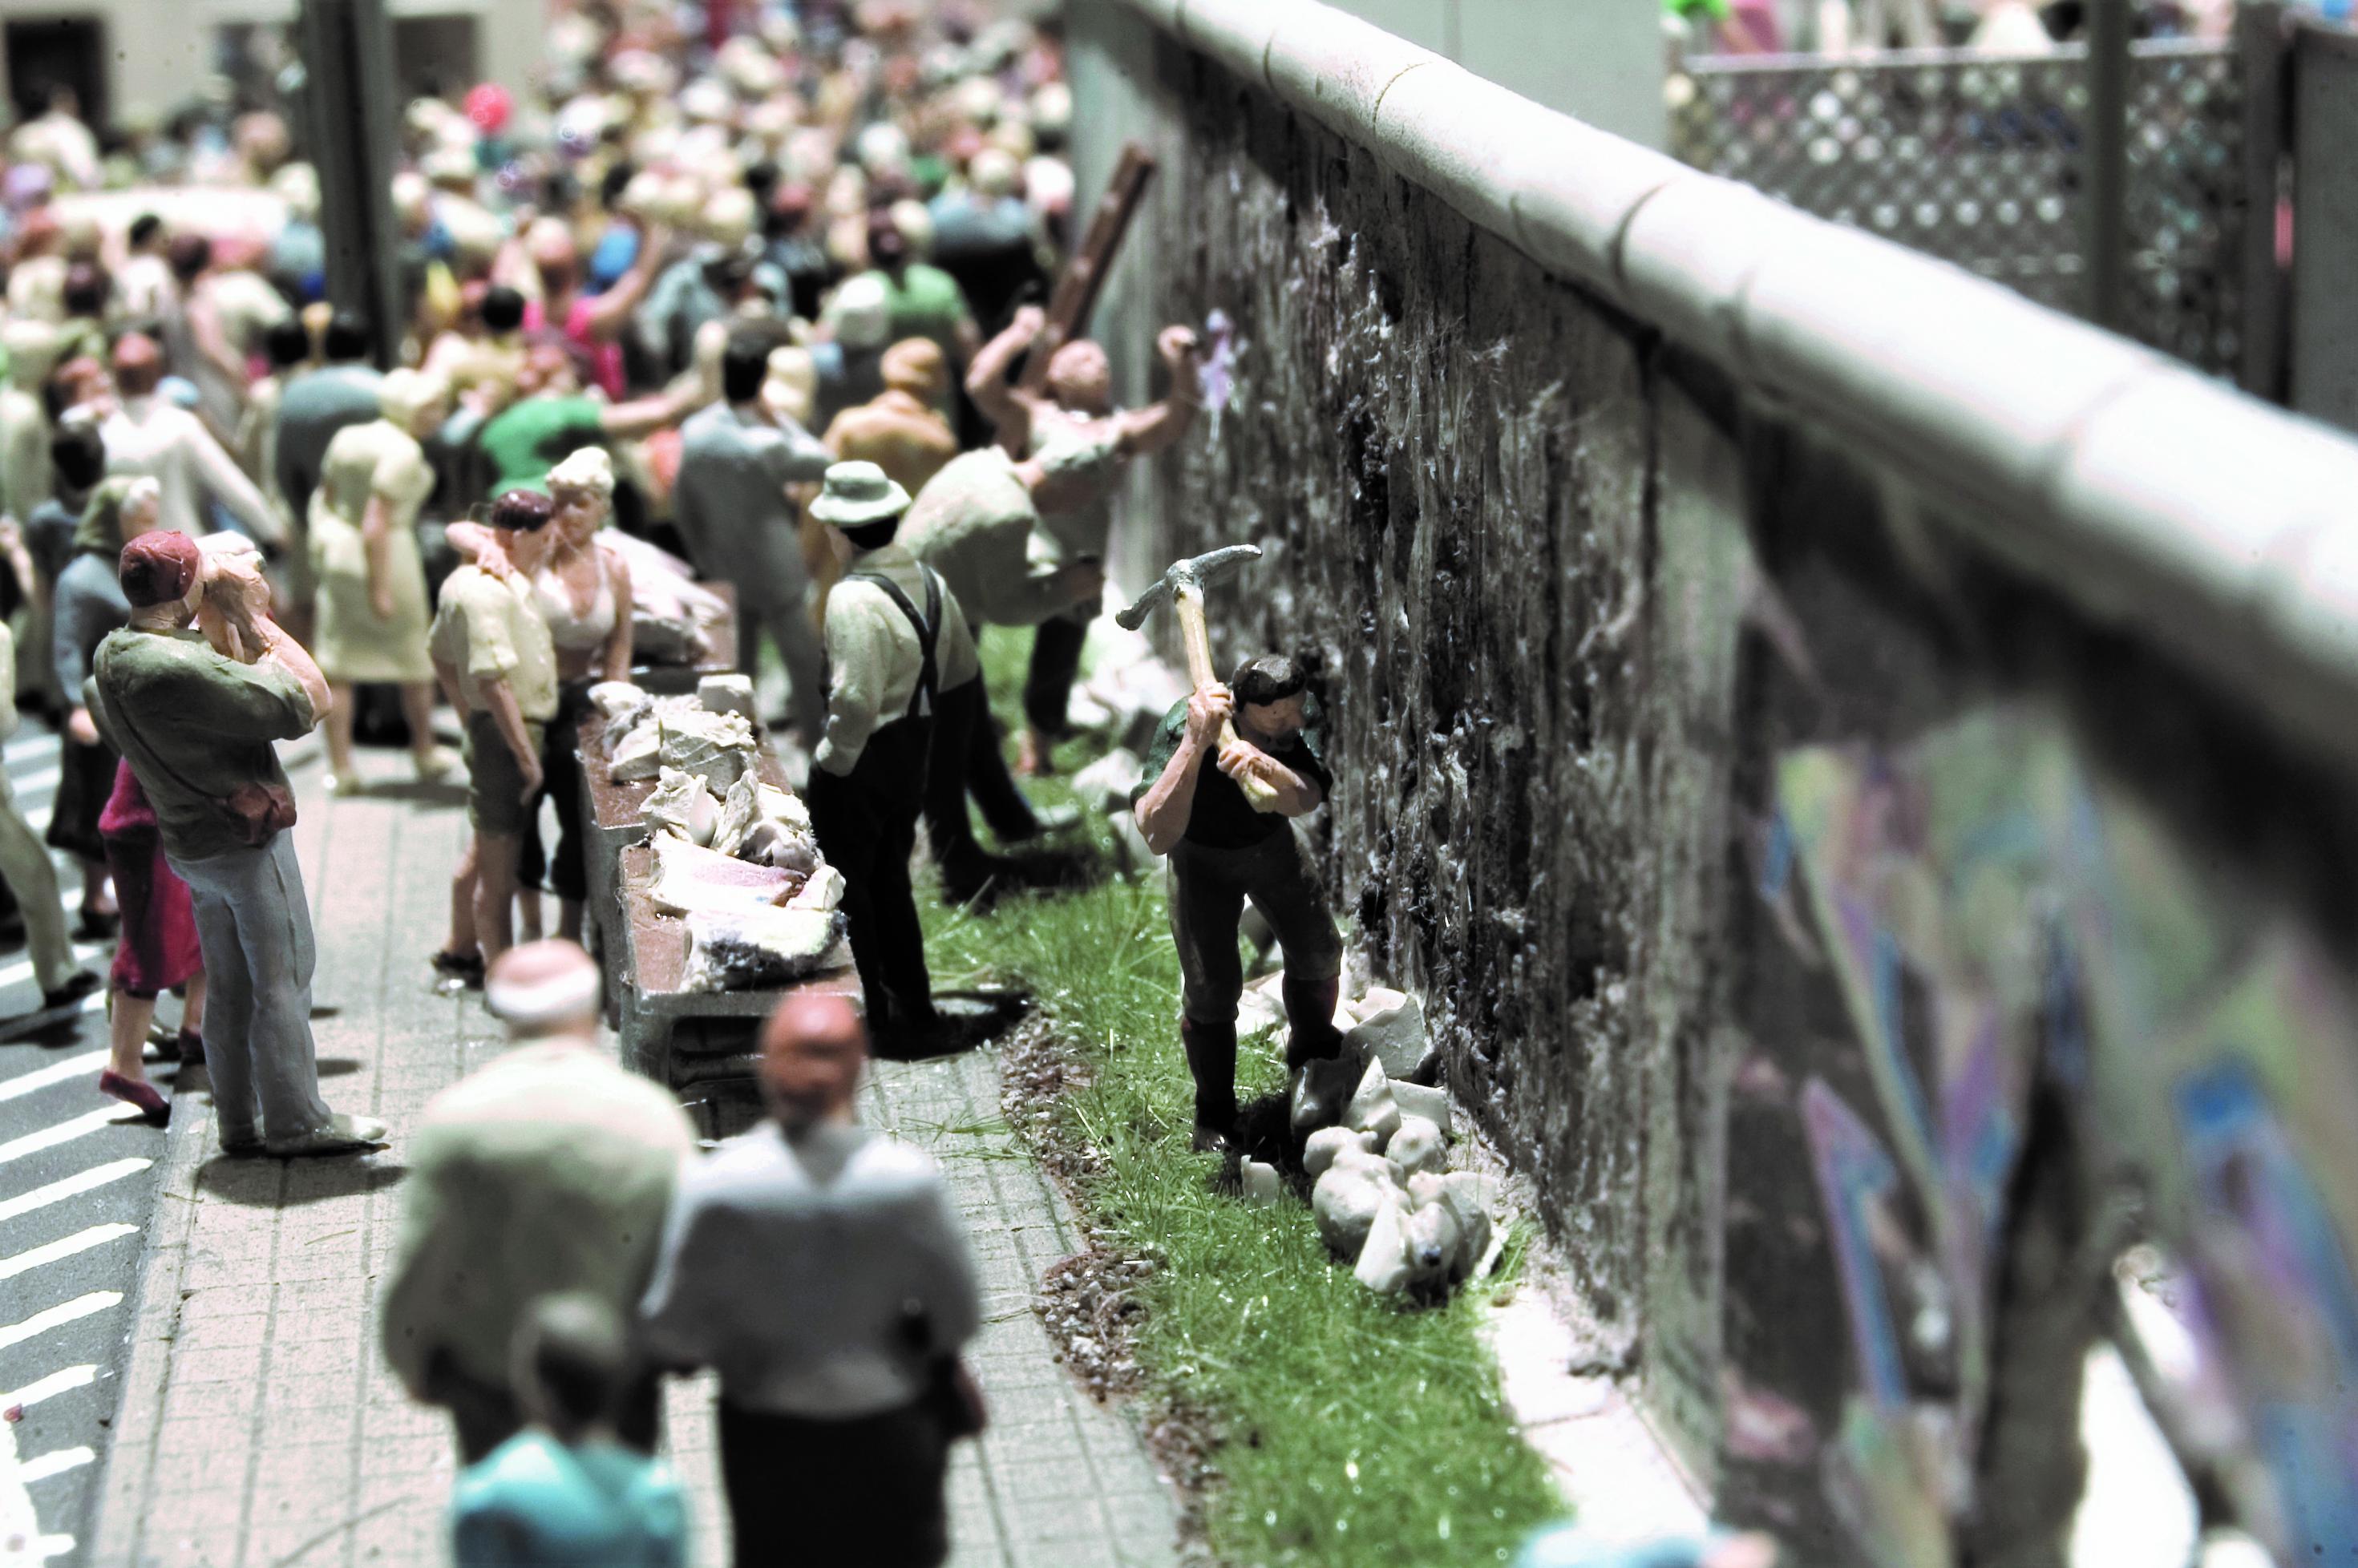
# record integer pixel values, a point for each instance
(736, 461)
(551, 419)
(34, 349)
(195, 714)
(822, 1269)
(549, 1170)
(30, 876)
(1076, 426)
(583, 593)
(314, 407)
(977, 524)
(565, 1489)
(890, 661)
(371, 579)
(159, 950)
(1224, 850)
(85, 606)
(497, 664)
(150, 435)
(901, 429)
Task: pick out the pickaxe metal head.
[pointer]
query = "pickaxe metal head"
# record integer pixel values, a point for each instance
(1188, 574)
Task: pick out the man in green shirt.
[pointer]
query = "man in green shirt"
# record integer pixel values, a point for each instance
(551, 420)
(1224, 851)
(197, 727)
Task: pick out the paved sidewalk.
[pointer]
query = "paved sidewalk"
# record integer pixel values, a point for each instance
(260, 1429)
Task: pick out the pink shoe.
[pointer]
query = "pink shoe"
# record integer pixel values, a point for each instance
(131, 1091)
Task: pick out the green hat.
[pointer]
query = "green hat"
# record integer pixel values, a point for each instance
(857, 495)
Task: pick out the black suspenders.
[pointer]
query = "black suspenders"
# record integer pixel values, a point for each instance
(928, 628)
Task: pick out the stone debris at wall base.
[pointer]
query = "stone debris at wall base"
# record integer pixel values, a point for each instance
(719, 748)
(682, 805)
(728, 694)
(758, 949)
(691, 880)
(1105, 785)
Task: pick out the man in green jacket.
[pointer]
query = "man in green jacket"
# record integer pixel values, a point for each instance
(197, 727)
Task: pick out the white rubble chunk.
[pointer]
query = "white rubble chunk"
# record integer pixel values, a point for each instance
(1415, 1149)
(1320, 1151)
(1105, 785)
(823, 891)
(638, 755)
(1391, 1024)
(738, 815)
(1383, 1266)
(1321, 1092)
(1372, 1108)
(754, 950)
(1346, 1199)
(1432, 1104)
(728, 694)
(1137, 858)
(1262, 1183)
(682, 805)
(719, 748)
(691, 880)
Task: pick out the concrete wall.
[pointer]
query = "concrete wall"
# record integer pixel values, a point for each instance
(1838, 901)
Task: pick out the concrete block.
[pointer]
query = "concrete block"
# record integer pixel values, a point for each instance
(1432, 1104)
(1372, 1108)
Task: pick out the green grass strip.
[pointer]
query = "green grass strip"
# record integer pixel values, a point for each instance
(1353, 1429)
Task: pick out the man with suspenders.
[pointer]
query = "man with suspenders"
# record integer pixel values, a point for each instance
(895, 641)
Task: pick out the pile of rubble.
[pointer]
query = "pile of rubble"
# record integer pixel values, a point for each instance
(733, 857)
(1376, 1130)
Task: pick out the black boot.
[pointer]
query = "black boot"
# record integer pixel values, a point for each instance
(1311, 1035)
(1212, 1062)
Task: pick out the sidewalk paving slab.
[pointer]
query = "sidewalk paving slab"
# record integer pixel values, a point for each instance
(259, 1426)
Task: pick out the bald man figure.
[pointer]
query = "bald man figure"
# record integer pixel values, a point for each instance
(821, 1269)
(549, 1170)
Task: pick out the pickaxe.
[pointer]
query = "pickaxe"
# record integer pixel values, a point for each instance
(1182, 586)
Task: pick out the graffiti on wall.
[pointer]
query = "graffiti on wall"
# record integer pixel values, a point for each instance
(1986, 919)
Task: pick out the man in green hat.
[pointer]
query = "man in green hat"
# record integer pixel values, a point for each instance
(896, 643)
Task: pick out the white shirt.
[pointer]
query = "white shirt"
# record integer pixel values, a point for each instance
(874, 657)
(817, 1275)
(171, 446)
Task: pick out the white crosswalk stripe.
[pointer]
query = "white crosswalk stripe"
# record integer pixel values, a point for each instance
(86, 1064)
(72, 1186)
(56, 1383)
(80, 1241)
(40, 1467)
(74, 1310)
(66, 1132)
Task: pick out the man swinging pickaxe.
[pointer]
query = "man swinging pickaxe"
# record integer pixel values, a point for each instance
(1226, 831)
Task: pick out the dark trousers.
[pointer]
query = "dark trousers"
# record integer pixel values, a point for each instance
(858, 1493)
(485, 1414)
(560, 770)
(1208, 888)
(1055, 664)
(867, 826)
(967, 760)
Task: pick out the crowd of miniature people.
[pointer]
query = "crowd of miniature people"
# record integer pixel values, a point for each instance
(761, 294)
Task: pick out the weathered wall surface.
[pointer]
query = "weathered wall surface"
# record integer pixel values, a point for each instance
(1832, 921)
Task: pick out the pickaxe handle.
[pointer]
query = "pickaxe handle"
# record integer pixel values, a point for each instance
(1187, 604)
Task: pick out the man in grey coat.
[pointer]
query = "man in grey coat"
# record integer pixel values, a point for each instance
(310, 411)
(821, 1270)
(730, 501)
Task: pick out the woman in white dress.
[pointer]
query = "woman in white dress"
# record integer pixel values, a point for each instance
(373, 615)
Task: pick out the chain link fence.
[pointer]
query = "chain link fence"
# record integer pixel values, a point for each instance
(1976, 159)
